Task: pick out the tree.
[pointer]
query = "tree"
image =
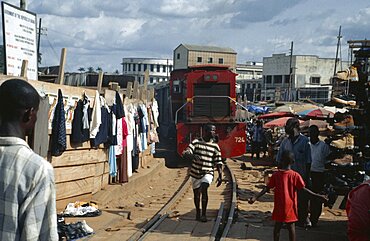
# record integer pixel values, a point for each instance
(81, 69)
(98, 69)
(90, 70)
(116, 72)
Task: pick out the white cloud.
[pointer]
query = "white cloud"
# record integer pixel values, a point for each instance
(100, 33)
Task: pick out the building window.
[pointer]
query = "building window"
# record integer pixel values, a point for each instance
(315, 80)
(176, 86)
(287, 79)
(129, 67)
(268, 79)
(199, 59)
(259, 86)
(278, 79)
(164, 68)
(158, 68)
(139, 67)
(151, 80)
(210, 60)
(248, 86)
(133, 67)
(145, 66)
(178, 56)
(220, 60)
(152, 67)
(253, 86)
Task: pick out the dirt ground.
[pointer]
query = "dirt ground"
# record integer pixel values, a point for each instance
(254, 220)
(152, 187)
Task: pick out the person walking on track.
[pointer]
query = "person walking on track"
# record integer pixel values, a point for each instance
(205, 155)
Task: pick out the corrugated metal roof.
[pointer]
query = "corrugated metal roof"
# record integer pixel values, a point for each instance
(205, 48)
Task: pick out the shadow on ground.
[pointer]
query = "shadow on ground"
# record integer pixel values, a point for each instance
(166, 149)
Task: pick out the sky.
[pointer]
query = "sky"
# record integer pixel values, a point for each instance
(99, 33)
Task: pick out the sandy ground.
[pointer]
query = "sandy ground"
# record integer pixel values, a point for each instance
(153, 186)
(254, 220)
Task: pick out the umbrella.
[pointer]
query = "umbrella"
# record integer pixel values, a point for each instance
(280, 122)
(276, 115)
(317, 112)
(321, 124)
(294, 108)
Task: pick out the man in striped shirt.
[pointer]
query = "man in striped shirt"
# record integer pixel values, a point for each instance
(205, 155)
(27, 188)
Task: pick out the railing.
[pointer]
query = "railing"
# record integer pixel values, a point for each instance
(209, 96)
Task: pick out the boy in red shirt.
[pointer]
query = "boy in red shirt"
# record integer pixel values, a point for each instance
(286, 183)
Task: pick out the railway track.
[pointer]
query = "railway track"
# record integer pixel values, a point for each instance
(176, 219)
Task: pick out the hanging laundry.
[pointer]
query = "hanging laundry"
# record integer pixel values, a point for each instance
(112, 162)
(106, 122)
(96, 118)
(41, 131)
(155, 112)
(119, 109)
(58, 133)
(80, 124)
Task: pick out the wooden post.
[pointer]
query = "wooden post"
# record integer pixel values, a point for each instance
(151, 94)
(129, 90)
(100, 80)
(146, 79)
(24, 68)
(60, 79)
(135, 92)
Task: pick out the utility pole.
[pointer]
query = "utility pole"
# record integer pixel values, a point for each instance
(336, 55)
(38, 43)
(23, 4)
(290, 72)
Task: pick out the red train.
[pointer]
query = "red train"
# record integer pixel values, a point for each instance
(206, 94)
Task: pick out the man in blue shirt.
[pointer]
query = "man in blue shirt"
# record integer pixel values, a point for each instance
(299, 145)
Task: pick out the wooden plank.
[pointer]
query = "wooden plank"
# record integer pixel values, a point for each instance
(65, 174)
(109, 96)
(80, 146)
(74, 188)
(60, 79)
(99, 168)
(52, 88)
(106, 167)
(135, 91)
(146, 80)
(97, 184)
(129, 90)
(62, 203)
(100, 81)
(24, 68)
(105, 180)
(151, 94)
(80, 157)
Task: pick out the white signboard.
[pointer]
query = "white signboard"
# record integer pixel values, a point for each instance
(19, 31)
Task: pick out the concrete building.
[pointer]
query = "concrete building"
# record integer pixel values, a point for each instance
(186, 55)
(310, 77)
(159, 69)
(249, 80)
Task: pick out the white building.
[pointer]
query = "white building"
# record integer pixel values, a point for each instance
(249, 80)
(159, 69)
(310, 77)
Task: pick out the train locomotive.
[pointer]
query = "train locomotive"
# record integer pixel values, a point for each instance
(207, 94)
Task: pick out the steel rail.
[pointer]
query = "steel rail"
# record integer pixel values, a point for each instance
(161, 214)
(232, 207)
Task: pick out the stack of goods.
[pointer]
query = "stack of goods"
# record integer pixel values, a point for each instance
(81, 209)
(73, 231)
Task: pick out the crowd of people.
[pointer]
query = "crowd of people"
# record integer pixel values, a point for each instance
(299, 181)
